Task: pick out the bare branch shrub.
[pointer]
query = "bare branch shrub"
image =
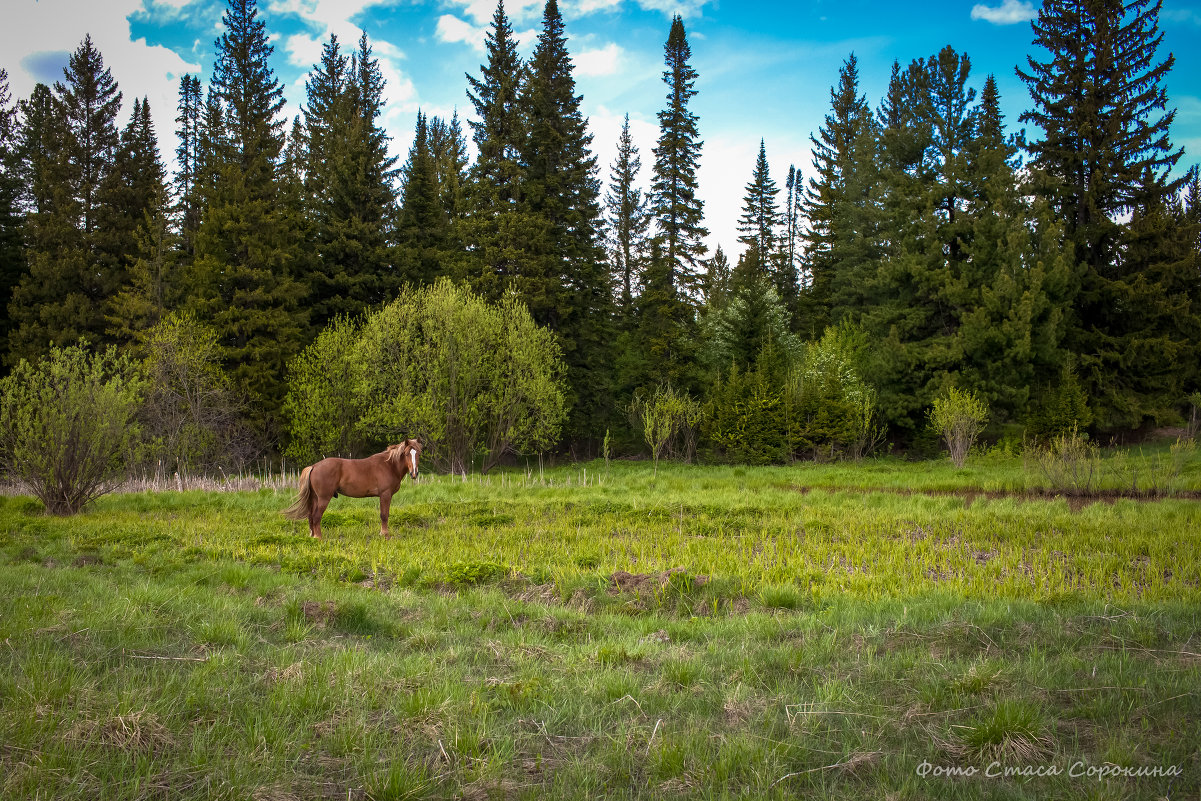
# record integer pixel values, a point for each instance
(1070, 461)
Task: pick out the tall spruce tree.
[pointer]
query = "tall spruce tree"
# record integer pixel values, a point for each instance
(627, 221)
(242, 278)
(1100, 100)
(1150, 350)
(12, 257)
(1019, 279)
(373, 206)
(760, 221)
(494, 229)
(153, 287)
(423, 225)
(71, 140)
(923, 285)
(760, 226)
(842, 245)
(131, 194)
(677, 210)
(565, 282)
(187, 130)
(449, 151)
(348, 184)
(1106, 154)
(717, 278)
(793, 214)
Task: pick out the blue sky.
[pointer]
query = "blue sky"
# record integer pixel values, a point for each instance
(765, 68)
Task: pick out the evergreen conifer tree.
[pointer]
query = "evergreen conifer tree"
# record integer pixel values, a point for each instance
(187, 192)
(153, 287)
(717, 279)
(242, 281)
(449, 151)
(628, 221)
(1012, 323)
(1105, 155)
(677, 210)
(423, 224)
(565, 282)
(760, 220)
(663, 347)
(761, 223)
(130, 195)
(841, 240)
(790, 251)
(348, 184)
(495, 230)
(71, 141)
(12, 258)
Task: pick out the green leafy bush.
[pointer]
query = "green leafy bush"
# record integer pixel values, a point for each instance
(834, 408)
(668, 420)
(68, 427)
(324, 400)
(468, 378)
(464, 376)
(192, 416)
(959, 416)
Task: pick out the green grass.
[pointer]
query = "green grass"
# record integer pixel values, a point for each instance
(522, 637)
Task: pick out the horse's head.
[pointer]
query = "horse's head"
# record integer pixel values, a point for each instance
(406, 453)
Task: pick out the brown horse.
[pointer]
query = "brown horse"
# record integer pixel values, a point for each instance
(380, 475)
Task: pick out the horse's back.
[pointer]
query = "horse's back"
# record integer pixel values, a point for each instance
(355, 478)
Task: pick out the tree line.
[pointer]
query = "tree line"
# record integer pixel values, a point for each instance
(931, 248)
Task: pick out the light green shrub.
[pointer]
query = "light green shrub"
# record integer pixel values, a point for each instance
(959, 416)
(68, 425)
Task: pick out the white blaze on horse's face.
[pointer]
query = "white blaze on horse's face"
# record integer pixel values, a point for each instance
(413, 456)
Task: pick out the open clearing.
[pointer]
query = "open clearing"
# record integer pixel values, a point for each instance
(816, 632)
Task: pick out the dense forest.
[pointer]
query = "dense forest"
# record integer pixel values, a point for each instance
(927, 247)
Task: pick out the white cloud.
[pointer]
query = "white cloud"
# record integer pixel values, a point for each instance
(452, 29)
(685, 8)
(481, 11)
(581, 8)
(36, 30)
(303, 50)
(1009, 12)
(598, 61)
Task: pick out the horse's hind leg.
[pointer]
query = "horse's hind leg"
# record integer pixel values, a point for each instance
(385, 503)
(315, 514)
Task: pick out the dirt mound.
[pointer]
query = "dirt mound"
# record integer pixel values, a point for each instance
(640, 583)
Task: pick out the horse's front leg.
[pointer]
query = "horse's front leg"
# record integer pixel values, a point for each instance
(385, 503)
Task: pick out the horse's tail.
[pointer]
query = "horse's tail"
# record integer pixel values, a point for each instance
(304, 501)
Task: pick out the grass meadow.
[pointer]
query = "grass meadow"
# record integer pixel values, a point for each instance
(874, 630)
